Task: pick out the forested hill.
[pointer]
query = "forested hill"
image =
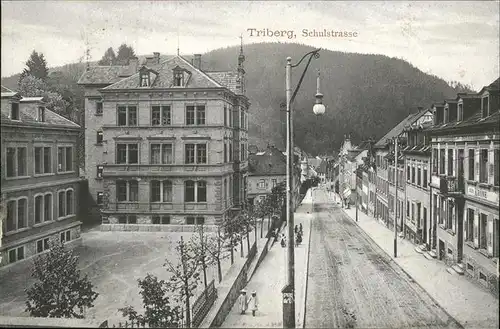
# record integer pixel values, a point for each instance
(365, 95)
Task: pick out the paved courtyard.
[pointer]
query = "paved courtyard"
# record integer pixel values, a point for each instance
(113, 261)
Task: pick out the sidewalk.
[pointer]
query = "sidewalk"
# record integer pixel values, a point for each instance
(471, 305)
(270, 278)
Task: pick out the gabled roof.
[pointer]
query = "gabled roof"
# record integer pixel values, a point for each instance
(495, 85)
(165, 78)
(30, 118)
(396, 131)
(270, 162)
(6, 90)
(228, 79)
(105, 75)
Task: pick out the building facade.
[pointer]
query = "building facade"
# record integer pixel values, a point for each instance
(166, 143)
(40, 178)
(465, 184)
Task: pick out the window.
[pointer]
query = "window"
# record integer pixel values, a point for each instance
(485, 106)
(408, 173)
(65, 158)
(471, 164)
(407, 208)
(16, 254)
(192, 220)
(451, 162)
(100, 170)
(273, 181)
(225, 152)
(413, 175)
(434, 161)
(419, 177)
(449, 218)
(98, 108)
(425, 178)
(127, 219)
(99, 138)
(43, 160)
(127, 153)
(178, 78)
(66, 201)
(127, 190)
(69, 202)
(100, 198)
(47, 200)
(161, 191)
(483, 227)
(65, 236)
(225, 116)
(38, 209)
(161, 154)
(199, 149)
(17, 211)
(460, 112)
(145, 79)
(161, 115)
(163, 219)
(16, 161)
(442, 162)
(469, 226)
(496, 167)
(483, 166)
(195, 191)
(195, 115)
(43, 208)
(42, 245)
(127, 115)
(41, 114)
(14, 111)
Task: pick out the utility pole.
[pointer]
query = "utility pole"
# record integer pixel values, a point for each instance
(396, 198)
(357, 194)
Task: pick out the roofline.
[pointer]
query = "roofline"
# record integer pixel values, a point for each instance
(161, 89)
(39, 126)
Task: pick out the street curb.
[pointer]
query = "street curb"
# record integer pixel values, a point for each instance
(307, 268)
(404, 271)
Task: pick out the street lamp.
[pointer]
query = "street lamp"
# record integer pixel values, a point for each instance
(318, 108)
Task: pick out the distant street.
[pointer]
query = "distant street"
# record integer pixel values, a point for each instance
(354, 284)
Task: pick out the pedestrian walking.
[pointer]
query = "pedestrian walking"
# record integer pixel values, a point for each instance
(296, 229)
(283, 242)
(298, 239)
(254, 302)
(243, 301)
(300, 229)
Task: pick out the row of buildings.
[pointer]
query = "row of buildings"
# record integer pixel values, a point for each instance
(446, 174)
(166, 147)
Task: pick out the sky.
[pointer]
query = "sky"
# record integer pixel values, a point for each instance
(455, 40)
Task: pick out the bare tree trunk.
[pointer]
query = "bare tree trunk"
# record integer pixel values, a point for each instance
(248, 241)
(261, 227)
(188, 308)
(232, 253)
(204, 271)
(219, 269)
(241, 246)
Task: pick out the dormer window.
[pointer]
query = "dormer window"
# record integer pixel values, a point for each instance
(485, 106)
(446, 115)
(14, 111)
(178, 78)
(41, 114)
(145, 79)
(460, 112)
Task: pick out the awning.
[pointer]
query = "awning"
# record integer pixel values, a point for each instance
(346, 193)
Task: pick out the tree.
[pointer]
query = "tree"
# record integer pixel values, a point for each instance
(109, 58)
(185, 276)
(216, 248)
(158, 310)
(31, 86)
(201, 243)
(37, 66)
(60, 291)
(232, 235)
(125, 53)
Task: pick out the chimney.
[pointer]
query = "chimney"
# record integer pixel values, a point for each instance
(133, 64)
(156, 56)
(197, 61)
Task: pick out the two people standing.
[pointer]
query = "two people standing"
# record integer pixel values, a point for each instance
(244, 302)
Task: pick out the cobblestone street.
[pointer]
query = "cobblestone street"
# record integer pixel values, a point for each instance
(353, 283)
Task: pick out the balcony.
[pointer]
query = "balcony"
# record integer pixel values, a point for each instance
(162, 207)
(449, 185)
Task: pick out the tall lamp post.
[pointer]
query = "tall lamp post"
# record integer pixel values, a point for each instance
(289, 290)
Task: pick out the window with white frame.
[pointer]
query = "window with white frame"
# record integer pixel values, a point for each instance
(64, 158)
(145, 79)
(161, 115)
(195, 114)
(161, 153)
(195, 153)
(43, 160)
(65, 236)
(16, 161)
(161, 219)
(195, 191)
(127, 115)
(161, 191)
(17, 214)
(43, 208)
(127, 190)
(178, 78)
(127, 153)
(261, 183)
(66, 203)
(42, 245)
(16, 254)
